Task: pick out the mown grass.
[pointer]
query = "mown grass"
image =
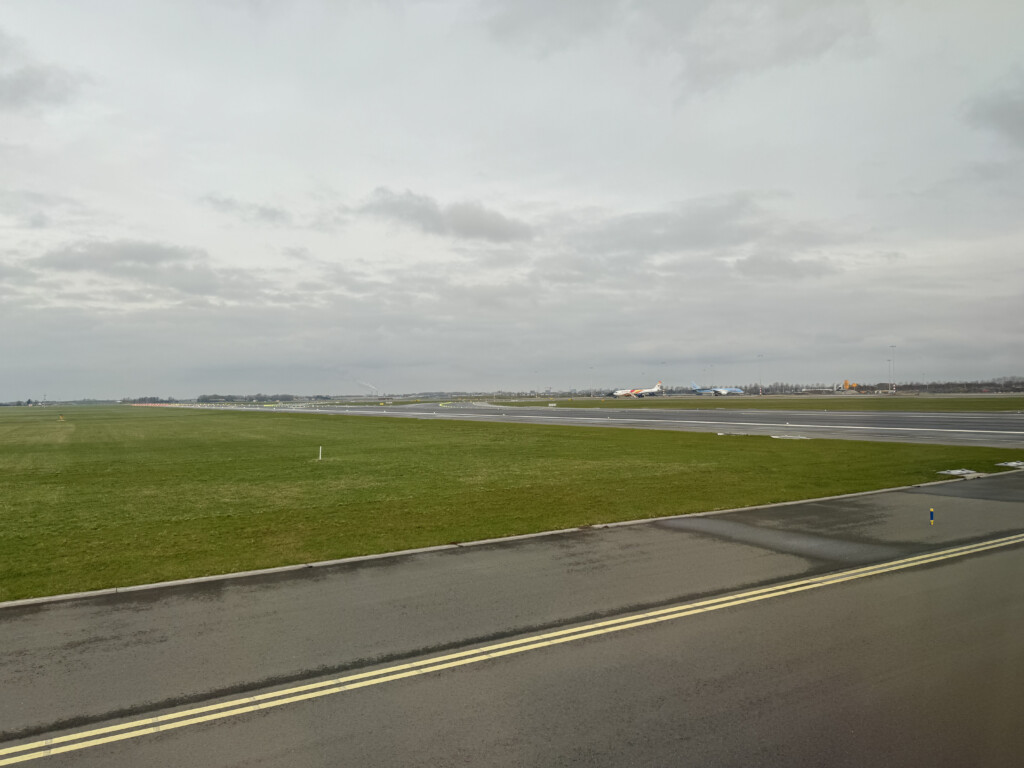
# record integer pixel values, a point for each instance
(922, 404)
(114, 496)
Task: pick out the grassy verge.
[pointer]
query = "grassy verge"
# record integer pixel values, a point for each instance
(113, 496)
(922, 404)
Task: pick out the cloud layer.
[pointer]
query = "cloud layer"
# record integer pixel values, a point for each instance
(507, 195)
(26, 84)
(460, 220)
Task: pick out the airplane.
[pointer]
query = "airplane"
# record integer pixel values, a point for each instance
(657, 389)
(716, 391)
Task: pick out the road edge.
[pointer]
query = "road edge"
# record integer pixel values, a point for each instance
(72, 596)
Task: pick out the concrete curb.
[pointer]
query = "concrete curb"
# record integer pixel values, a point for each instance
(446, 547)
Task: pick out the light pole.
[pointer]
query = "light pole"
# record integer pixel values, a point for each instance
(893, 348)
(760, 383)
(888, 372)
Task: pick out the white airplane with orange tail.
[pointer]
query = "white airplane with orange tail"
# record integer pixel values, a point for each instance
(657, 389)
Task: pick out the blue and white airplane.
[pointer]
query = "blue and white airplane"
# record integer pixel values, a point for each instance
(716, 391)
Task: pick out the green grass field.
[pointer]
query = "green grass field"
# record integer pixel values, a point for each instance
(114, 496)
(922, 404)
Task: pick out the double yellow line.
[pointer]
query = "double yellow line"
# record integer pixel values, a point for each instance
(240, 706)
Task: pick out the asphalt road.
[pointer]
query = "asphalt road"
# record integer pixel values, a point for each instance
(998, 429)
(921, 665)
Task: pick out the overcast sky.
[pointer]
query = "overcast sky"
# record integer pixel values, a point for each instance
(318, 197)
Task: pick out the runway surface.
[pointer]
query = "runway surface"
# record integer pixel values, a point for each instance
(998, 429)
(745, 638)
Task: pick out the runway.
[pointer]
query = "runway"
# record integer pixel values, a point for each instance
(850, 631)
(998, 429)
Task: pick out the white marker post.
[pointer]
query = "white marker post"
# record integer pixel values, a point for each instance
(321, 456)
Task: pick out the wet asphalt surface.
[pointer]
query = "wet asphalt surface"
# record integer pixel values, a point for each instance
(998, 429)
(922, 666)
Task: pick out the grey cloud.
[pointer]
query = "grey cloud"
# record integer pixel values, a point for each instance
(696, 227)
(1002, 113)
(495, 257)
(38, 220)
(270, 215)
(677, 252)
(298, 253)
(9, 48)
(22, 198)
(25, 84)
(224, 204)
(310, 286)
(263, 214)
(13, 272)
(325, 219)
(777, 266)
(408, 208)
(731, 40)
(168, 271)
(1005, 179)
(472, 220)
(32, 86)
(329, 219)
(692, 226)
(348, 282)
(713, 43)
(322, 278)
(468, 220)
(548, 26)
(36, 210)
(614, 258)
(112, 257)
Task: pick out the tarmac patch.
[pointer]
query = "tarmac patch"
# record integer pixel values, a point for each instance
(1002, 487)
(785, 542)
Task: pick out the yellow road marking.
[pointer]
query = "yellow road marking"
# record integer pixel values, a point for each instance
(197, 715)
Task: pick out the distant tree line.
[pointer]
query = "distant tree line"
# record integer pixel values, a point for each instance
(259, 397)
(1001, 384)
(147, 400)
